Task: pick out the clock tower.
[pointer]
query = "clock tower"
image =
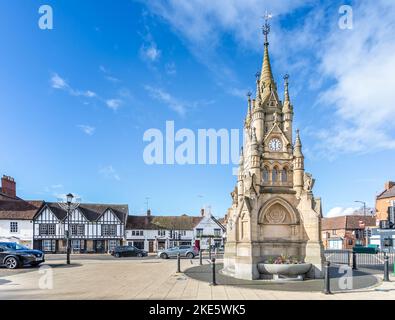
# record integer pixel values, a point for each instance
(274, 212)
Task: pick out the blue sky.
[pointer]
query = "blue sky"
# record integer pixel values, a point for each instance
(75, 101)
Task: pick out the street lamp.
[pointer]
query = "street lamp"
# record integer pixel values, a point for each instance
(69, 199)
(68, 206)
(364, 206)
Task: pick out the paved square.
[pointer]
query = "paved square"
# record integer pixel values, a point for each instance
(105, 277)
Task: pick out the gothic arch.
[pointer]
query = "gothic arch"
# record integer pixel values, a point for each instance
(293, 213)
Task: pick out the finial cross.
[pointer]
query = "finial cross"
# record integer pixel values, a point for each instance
(266, 26)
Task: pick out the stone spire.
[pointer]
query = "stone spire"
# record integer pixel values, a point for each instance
(287, 110)
(249, 112)
(298, 146)
(266, 80)
(286, 92)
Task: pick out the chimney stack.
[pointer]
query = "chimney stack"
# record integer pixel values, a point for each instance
(8, 186)
(389, 184)
(202, 212)
(148, 212)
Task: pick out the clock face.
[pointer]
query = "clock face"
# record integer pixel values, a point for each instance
(275, 144)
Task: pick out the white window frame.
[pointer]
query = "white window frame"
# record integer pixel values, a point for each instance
(14, 227)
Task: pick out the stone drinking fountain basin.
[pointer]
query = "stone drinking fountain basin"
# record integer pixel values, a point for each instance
(283, 271)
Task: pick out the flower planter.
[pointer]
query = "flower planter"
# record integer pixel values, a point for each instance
(284, 271)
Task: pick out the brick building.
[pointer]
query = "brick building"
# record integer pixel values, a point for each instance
(385, 200)
(345, 232)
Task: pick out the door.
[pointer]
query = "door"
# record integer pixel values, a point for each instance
(150, 246)
(99, 246)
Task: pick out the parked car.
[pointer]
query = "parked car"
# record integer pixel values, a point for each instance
(185, 251)
(128, 251)
(13, 255)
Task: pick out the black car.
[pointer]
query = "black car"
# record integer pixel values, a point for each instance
(13, 255)
(128, 251)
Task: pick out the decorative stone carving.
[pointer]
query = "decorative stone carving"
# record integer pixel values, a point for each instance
(276, 216)
(308, 182)
(234, 195)
(249, 186)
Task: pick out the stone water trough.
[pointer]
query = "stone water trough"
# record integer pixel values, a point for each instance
(284, 271)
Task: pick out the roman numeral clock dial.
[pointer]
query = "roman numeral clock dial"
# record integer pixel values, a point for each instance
(275, 144)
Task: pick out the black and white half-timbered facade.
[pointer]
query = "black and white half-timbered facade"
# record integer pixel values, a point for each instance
(94, 228)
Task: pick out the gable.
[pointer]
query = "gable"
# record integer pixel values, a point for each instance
(276, 131)
(108, 217)
(77, 216)
(46, 216)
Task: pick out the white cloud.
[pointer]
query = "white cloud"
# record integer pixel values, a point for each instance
(362, 95)
(114, 104)
(87, 129)
(108, 75)
(340, 211)
(57, 82)
(166, 98)
(109, 172)
(151, 53)
(171, 68)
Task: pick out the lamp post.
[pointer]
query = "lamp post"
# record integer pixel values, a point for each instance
(364, 206)
(68, 206)
(69, 199)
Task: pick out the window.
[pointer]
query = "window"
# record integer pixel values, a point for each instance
(47, 229)
(333, 232)
(161, 233)
(274, 174)
(199, 232)
(265, 174)
(284, 177)
(109, 230)
(13, 227)
(49, 245)
(217, 232)
(387, 242)
(112, 243)
(137, 232)
(77, 230)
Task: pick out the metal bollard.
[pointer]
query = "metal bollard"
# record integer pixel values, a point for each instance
(386, 268)
(209, 253)
(354, 261)
(200, 256)
(327, 279)
(213, 281)
(178, 263)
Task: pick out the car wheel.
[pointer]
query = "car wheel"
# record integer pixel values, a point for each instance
(139, 254)
(190, 255)
(11, 263)
(117, 255)
(164, 256)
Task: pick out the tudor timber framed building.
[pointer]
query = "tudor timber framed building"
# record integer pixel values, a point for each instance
(94, 228)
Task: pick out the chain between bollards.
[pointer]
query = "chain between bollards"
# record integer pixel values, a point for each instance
(213, 280)
(386, 268)
(178, 263)
(327, 279)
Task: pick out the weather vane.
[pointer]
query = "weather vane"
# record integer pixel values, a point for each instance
(266, 26)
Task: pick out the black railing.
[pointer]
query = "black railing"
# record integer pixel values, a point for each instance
(362, 259)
